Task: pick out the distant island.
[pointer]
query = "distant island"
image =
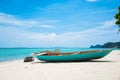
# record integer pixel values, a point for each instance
(107, 45)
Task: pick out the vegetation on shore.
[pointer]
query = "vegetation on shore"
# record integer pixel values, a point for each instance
(107, 45)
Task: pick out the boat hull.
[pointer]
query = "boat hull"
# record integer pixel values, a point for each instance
(74, 57)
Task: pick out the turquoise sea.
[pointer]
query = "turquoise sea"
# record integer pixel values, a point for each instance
(9, 54)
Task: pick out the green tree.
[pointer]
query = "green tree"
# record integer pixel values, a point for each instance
(117, 17)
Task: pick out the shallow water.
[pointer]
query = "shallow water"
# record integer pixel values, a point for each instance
(8, 54)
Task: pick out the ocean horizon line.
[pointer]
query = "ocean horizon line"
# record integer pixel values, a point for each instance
(37, 47)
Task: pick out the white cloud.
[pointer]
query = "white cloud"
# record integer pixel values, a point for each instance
(11, 20)
(104, 25)
(42, 37)
(104, 11)
(108, 24)
(13, 36)
(21, 37)
(97, 35)
(92, 0)
(47, 26)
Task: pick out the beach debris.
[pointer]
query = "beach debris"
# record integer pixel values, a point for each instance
(28, 59)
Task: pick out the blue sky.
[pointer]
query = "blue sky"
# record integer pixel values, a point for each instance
(56, 23)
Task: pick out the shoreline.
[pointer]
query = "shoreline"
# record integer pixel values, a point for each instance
(106, 68)
(24, 57)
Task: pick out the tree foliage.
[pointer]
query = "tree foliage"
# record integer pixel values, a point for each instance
(117, 17)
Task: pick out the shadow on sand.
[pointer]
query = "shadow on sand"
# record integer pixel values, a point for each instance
(84, 61)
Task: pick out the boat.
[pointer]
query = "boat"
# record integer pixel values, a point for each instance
(71, 56)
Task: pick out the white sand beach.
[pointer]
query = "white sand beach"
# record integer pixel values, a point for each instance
(106, 68)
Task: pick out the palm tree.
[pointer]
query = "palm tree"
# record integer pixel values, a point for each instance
(117, 17)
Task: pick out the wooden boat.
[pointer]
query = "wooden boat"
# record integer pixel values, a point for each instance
(72, 56)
